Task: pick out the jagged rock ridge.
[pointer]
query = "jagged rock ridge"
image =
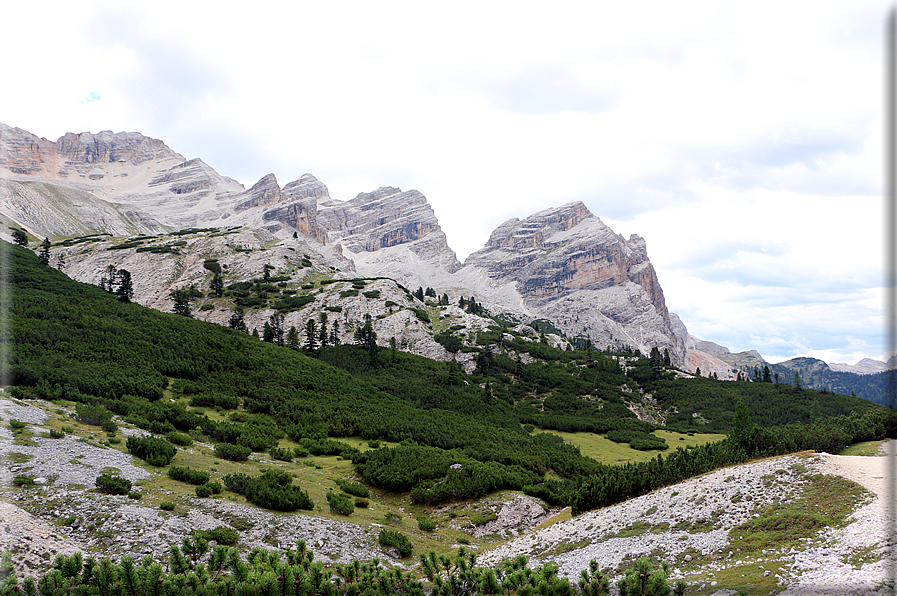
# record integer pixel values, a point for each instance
(562, 264)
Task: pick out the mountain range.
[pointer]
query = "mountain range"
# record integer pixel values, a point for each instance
(127, 201)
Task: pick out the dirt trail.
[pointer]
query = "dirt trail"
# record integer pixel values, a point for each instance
(872, 473)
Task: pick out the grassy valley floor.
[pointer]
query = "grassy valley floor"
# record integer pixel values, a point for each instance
(781, 524)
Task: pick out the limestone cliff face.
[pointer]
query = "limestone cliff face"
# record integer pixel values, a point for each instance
(299, 208)
(264, 193)
(83, 149)
(556, 251)
(388, 222)
(567, 265)
(76, 156)
(24, 153)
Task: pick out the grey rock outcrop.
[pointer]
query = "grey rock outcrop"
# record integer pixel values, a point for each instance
(299, 207)
(390, 232)
(566, 265)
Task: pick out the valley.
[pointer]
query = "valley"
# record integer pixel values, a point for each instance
(694, 525)
(317, 384)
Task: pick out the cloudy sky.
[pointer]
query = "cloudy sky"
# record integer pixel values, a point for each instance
(743, 141)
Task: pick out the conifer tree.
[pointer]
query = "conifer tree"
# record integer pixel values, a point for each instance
(323, 336)
(293, 338)
(19, 236)
(311, 336)
(236, 321)
(334, 334)
(277, 327)
(217, 285)
(44, 253)
(125, 291)
(107, 281)
(181, 302)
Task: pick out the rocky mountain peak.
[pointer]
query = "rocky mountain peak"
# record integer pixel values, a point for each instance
(532, 231)
(389, 232)
(264, 193)
(109, 147)
(380, 219)
(307, 187)
(568, 266)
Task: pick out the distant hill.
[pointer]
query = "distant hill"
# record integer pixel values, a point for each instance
(816, 374)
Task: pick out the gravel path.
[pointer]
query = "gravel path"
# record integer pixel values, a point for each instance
(727, 498)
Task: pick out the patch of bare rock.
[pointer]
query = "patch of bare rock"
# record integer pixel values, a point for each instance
(691, 520)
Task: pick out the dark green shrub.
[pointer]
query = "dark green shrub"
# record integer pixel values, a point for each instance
(361, 503)
(289, 303)
(356, 490)
(647, 444)
(281, 454)
(166, 505)
(188, 475)
(340, 503)
(204, 490)
(301, 451)
(179, 439)
(113, 485)
(56, 434)
(216, 487)
(425, 524)
(348, 293)
(135, 495)
(220, 534)
(397, 540)
(232, 452)
(422, 315)
(154, 451)
(237, 482)
(217, 400)
(23, 480)
(160, 427)
(450, 342)
(272, 490)
(93, 415)
(328, 447)
(17, 424)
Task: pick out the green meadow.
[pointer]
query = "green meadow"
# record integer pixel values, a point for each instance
(602, 449)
